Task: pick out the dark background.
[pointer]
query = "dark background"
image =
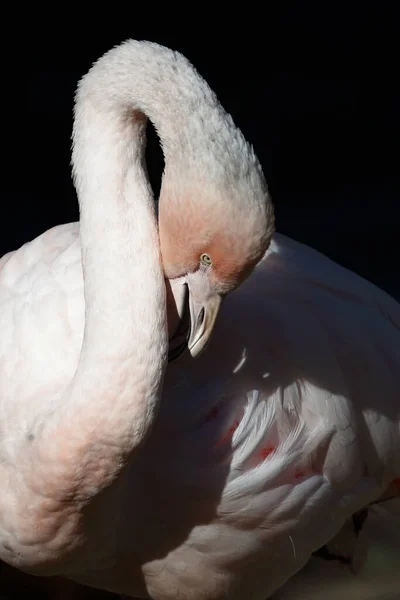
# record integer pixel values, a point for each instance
(314, 87)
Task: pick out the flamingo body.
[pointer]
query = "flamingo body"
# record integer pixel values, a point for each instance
(263, 447)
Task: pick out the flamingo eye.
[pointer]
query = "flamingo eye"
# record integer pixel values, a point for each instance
(205, 259)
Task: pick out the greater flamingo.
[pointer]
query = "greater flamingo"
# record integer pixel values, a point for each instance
(260, 450)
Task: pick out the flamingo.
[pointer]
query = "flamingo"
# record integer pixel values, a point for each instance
(277, 420)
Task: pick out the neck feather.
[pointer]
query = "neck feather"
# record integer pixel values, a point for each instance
(111, 401)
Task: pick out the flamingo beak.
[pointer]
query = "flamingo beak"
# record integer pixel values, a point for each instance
(192, 308)
(203, 316)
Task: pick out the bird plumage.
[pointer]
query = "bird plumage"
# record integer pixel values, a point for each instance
(262, 448)
(291, 415)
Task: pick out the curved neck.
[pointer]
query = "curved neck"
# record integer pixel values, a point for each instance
(111, 402)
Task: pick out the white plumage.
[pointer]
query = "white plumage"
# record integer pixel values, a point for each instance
(262, 449)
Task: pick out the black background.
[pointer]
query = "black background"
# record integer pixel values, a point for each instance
(312, 85)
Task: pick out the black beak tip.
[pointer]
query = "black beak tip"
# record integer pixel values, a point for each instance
(183, 331)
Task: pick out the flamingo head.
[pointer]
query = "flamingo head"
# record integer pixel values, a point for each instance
(213, 232)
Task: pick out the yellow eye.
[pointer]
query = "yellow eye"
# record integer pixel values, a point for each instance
(205, 260)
